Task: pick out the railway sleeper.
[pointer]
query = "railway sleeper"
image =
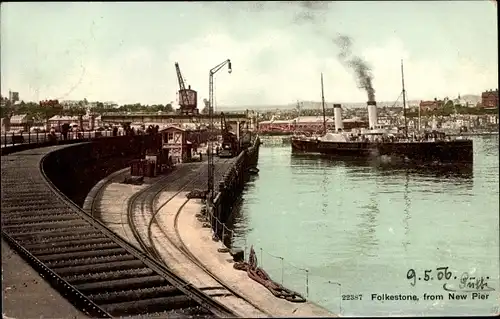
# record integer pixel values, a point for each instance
(48, 249)
(17, 197)
(123, 284)
(129, 295)
(39, 213)
(61, 236)
(40, 231)
(28, 201)
(109, 275)
(13, 220)
(70, 243)
(88, 261)
(42, 191)
(148, 305)
(46, 224)
(191, 312)
(26, 186)
(34, 208)
(82, 254)
(89, 269)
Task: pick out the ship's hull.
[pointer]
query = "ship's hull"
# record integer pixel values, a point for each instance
(455, 151)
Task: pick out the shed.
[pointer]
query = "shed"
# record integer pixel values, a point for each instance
(21, 121)
(175, 140)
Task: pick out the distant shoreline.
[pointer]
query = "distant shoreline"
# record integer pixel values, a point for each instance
(473, 134)
(450, 134)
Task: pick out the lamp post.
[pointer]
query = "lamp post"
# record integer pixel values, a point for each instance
(211, 127)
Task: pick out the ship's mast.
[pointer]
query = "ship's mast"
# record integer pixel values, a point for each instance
(404, 98)
(419, 119)
(323, 105)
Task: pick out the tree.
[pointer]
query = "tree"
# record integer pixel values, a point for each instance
(5, 111)
(205, 109)
(76, 111)
(169, 108)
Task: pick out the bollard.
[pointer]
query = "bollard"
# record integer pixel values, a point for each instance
(223, 227)
(282, 269)
(307, 283)
(37, 136)
(29, 137)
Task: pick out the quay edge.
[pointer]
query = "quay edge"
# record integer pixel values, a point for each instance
(229, 188)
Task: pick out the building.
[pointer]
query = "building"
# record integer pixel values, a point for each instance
(175, 140)
(20, 122)
(431, 105)
(489, 99)
(87, 122)
(308, 124)
(460, 101)
(13, 96)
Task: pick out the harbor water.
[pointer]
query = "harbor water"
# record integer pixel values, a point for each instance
(340, 232)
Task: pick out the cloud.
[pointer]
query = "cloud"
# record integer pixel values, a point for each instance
(270, 68)
(274, 63)
(424, 78)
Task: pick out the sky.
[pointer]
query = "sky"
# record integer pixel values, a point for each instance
(125, 52)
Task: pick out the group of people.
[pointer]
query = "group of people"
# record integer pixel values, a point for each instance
(413, 137)
(129, 130)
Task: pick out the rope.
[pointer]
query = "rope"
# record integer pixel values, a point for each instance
(261, 276)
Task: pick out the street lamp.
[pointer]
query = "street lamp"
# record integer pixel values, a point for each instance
(211, 127)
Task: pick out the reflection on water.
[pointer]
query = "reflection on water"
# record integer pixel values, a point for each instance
(407, 216)
(364, 224)
(366, 241)
(436, 173)
(324, 193)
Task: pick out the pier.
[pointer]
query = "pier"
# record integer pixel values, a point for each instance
(114, 249)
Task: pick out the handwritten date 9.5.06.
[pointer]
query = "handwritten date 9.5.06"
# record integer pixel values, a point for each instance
(444, 274)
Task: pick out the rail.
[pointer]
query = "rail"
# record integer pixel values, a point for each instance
(97, 271)
(147, 203)
(14, 142)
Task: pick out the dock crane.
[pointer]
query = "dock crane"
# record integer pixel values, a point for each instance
(187, 97)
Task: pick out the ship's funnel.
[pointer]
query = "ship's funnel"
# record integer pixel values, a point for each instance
(372, 114)
(337, 112)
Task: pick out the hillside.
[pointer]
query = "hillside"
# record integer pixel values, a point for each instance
(470, 98)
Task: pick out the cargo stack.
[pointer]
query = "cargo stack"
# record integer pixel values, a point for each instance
(149, 168)
(137, 167)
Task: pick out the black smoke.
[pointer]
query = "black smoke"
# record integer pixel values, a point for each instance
(361, 68)
(313, 13)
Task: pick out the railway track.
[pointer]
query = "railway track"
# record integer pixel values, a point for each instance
(96, 270)
(141, 215)
(140, 206)
(147, 244)
(183, 248)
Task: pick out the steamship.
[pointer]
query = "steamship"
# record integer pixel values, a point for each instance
(378, 142)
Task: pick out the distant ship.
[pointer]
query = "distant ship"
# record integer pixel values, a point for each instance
(379, 142)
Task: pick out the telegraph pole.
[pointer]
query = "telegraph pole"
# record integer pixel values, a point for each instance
(323, 105)
(211, 169)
